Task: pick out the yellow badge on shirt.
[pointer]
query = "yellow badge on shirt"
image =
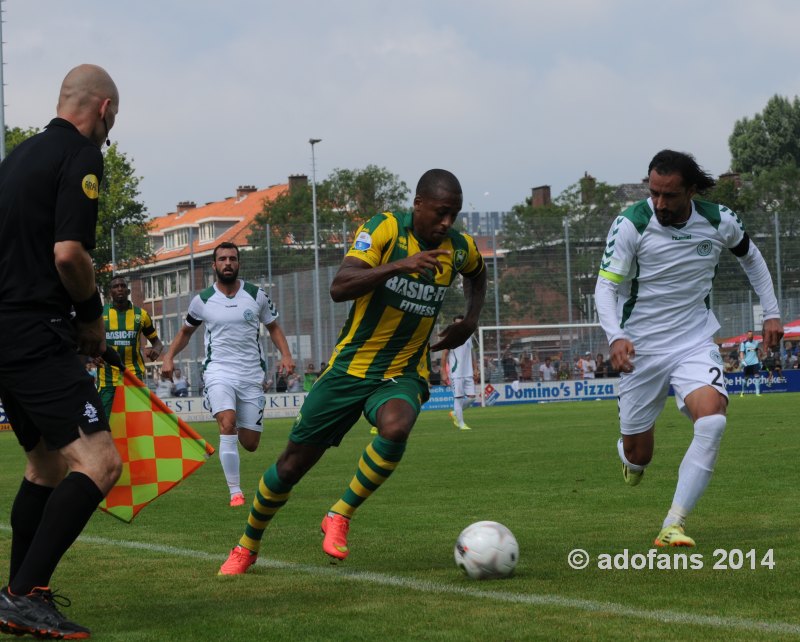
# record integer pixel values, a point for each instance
(91, 186)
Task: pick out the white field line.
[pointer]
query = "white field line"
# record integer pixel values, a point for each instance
(567, 603)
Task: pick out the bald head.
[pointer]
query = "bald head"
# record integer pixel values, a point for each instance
(89, 100)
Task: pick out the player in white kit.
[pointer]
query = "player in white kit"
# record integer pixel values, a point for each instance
(458, 371)
(234, 366)
(655, 276)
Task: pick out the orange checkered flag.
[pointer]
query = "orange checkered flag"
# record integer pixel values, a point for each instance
(158, 449)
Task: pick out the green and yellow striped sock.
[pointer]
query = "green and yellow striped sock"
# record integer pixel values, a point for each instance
(377, 462)
(272, 494)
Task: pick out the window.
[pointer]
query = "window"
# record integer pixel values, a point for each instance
(183, 281)
(176, 238)
(170, 283)
(206, 232)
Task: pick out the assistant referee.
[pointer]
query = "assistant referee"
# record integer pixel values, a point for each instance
(49, 188)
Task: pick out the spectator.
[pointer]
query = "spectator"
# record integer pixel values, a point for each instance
(601, 367)
(163, 387)
(435, 378)
(181, 385)
(547, 371)
(294, 383)
(526, 367)
(509, 364)
(309, 377)
(281, 385)
(587, 364)
(772, 364)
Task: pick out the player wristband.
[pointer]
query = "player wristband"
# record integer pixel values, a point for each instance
(89, 310)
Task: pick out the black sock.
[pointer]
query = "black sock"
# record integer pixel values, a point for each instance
(71, 505)
(26, 513)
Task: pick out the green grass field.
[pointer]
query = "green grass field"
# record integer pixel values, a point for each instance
(550, 472)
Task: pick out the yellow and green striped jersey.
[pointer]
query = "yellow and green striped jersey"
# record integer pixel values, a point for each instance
(123, 333)
(386, 333)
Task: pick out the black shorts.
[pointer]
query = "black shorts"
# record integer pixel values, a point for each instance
(44, 386)
(751, 371)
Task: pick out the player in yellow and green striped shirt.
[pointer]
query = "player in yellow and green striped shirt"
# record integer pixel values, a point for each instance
(125, 324)
(396, 273)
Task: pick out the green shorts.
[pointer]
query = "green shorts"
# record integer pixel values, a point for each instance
(337, 400)
(107, 397)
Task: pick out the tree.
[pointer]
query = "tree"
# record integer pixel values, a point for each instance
(357, 195)
(534, 237)
(768, 139)
(534, 283)
(119, 209)
(15, 135)
(345, 199)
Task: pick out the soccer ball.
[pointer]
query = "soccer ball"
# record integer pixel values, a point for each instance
(486, 550)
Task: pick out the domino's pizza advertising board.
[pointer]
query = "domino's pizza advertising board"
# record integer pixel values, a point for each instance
(502, 394)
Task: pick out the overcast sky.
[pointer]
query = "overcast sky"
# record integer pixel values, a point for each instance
(507, 94)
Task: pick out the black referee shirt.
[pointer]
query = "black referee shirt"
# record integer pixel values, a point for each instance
(49, 186)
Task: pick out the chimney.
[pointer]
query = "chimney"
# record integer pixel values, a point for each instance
(540, 196)
(731, 176)
(297, 180)
(185, 206)
(588, 183)
(243, 190)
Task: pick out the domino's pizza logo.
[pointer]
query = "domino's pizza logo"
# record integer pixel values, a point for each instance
(490, 394)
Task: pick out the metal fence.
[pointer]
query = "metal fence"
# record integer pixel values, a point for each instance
(525, 287)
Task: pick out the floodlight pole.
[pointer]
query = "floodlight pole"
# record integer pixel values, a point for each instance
(317, 314)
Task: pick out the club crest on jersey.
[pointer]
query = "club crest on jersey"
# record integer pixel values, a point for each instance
(249, 315)
(715, 356)
(363, 242)
(459, 259)
(704, 248)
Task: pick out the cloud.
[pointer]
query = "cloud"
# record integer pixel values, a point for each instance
(508, 95)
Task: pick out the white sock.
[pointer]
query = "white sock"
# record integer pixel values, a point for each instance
(458, 410)
(229, 458)
(696, 468)
(634, 467)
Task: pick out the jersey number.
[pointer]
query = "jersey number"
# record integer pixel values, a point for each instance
(717, 377)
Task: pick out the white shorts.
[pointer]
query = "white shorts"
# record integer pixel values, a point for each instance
(463, 386)
(246, 399)
(643, 392)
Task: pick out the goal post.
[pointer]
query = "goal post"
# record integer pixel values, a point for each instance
(514, 353)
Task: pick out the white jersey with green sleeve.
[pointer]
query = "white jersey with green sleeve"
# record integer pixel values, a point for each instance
(459, 360)
(664, 274)
(232, 340)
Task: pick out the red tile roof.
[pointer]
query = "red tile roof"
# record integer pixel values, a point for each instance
(243, 211)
